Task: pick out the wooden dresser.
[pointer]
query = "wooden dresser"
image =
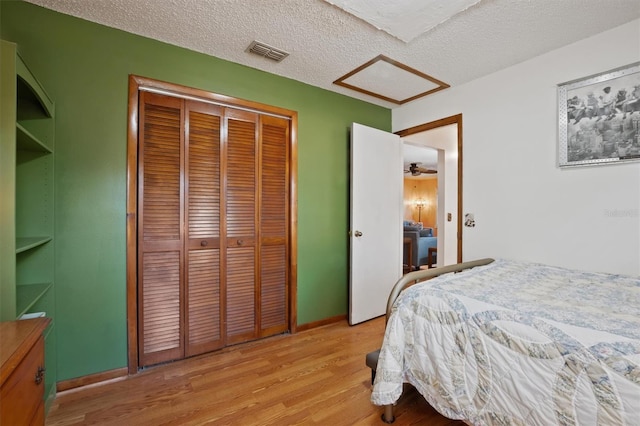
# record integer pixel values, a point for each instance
(22, 372)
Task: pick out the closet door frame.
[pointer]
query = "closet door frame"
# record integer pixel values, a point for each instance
(137, 84)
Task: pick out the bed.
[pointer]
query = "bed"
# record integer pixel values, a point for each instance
(514, 343)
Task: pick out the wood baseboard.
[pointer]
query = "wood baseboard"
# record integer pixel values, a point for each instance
(91, 379)
(321, 322)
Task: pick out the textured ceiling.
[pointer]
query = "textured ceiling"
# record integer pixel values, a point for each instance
(404, 19)
(325, 42)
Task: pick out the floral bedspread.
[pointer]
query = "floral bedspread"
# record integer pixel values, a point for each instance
(514, 343)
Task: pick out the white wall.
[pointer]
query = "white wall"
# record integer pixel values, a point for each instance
(525, 207)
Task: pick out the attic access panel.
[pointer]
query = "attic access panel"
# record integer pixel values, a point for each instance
(390, 80)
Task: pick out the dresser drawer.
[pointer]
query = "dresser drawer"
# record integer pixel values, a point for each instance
(21, 396)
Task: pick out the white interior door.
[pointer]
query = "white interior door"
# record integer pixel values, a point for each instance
(376, 220)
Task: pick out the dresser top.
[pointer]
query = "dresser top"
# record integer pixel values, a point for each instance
(16, 339)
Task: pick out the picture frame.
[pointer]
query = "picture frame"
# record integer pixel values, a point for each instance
(599, 118)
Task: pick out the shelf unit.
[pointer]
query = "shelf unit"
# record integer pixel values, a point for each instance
(26, 217)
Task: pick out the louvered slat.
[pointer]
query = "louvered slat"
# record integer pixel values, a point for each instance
(204, 175)
(161, 301)
(203, 312)
(241, 295)
(273, 217)
(273, 287)
(241, 176)
(161, 151)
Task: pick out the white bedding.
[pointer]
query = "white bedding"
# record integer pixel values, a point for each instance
(517, 344)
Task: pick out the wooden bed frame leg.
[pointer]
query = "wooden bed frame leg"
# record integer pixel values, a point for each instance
(387, 416)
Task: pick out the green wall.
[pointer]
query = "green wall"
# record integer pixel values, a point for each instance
(85, 68)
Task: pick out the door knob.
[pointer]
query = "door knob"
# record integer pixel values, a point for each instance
(358, 234)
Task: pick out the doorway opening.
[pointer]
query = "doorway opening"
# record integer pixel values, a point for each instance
(444, 138)
(376, 219)
(420, 206)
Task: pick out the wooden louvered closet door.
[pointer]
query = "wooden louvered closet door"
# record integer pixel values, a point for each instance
(213, 206)
(203, 311)
(274, 219)
(160, 244)
(241, 218)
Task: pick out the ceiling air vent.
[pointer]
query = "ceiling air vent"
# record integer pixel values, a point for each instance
(267, 51)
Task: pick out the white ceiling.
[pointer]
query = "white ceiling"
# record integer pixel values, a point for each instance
(325, 42)
(426, 158)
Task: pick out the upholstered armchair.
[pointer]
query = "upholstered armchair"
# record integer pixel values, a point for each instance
(421, 240)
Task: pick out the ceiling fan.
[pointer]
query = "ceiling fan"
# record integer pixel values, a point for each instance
(417, 171)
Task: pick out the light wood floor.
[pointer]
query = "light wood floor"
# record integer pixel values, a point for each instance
(315, 377)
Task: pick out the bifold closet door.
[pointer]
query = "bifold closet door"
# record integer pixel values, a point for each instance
(179, 301)
(241, 218)
(257, 215)
(274, 219)
(203, 289)
(160, 229)
(213, 233)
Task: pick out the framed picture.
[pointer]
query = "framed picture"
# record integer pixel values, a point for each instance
(599, 118)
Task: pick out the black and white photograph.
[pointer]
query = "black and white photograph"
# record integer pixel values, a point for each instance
(599, 118)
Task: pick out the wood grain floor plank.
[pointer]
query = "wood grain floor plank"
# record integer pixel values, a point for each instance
(315, 377)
